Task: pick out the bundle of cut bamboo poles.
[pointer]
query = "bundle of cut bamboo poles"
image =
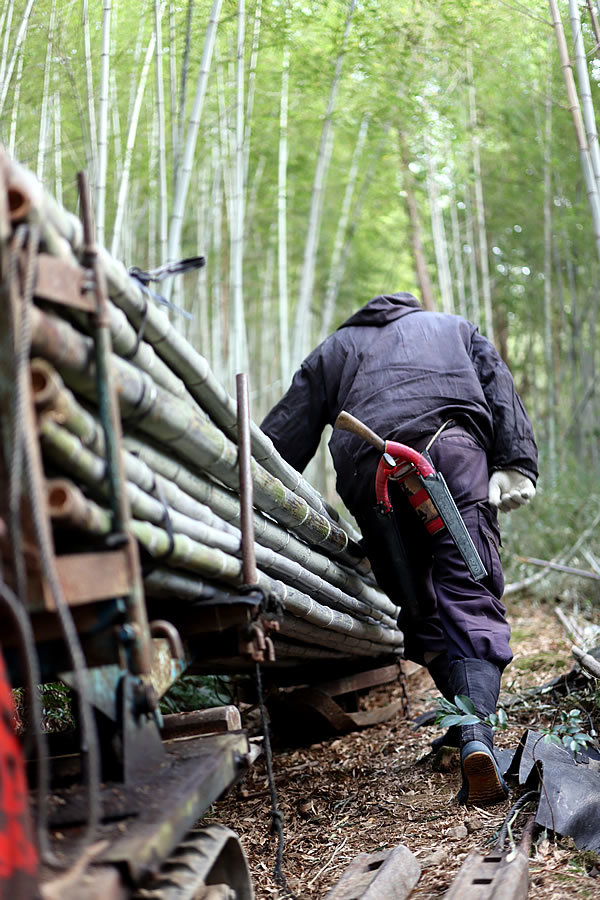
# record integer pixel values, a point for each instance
(181, 462)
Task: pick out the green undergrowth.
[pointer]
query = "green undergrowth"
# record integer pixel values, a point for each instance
(197, 692)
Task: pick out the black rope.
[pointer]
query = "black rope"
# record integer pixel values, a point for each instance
(276, 814)
(140, 333)
(516, 808)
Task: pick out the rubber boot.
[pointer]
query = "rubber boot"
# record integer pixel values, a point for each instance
(438, 668)
(483, 783)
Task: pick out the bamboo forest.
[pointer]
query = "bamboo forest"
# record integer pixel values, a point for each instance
(195, 194)
(319, 154)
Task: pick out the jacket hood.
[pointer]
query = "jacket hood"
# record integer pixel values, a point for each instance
(383, 309)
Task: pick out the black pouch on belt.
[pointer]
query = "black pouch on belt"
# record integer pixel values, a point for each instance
(389, 560)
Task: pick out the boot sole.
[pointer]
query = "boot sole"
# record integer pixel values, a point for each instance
(484, 785)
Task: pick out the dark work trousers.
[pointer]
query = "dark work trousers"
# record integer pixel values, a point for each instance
(458, 614)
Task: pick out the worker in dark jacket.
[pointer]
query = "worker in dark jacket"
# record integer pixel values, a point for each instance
(411, 376)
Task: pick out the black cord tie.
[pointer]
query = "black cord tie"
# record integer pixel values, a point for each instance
(276, 814)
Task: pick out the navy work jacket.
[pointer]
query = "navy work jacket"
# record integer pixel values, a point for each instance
(402, 371)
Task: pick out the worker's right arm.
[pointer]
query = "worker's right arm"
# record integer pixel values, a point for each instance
(296, 423)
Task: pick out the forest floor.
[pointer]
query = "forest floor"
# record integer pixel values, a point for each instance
(372, 790)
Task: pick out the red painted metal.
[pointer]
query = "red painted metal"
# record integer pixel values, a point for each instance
(18, 855)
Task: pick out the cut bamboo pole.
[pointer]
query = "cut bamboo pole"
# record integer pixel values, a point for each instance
(480, 207)
(80, 453)
(89, 85)
(187, 553)
(59, 226)
(166, 418)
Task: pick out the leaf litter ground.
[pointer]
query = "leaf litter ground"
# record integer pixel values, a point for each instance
(371, 790)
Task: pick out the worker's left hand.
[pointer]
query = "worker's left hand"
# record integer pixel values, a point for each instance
(509, 489)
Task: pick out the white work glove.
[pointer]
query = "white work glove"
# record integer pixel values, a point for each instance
(509, 489)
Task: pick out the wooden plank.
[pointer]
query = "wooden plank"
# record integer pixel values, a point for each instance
(498, 875)
(86, 577)
(201, 721)
(387, 875)
(361, 680)
(364, 718)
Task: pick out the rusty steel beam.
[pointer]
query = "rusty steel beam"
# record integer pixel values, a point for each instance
(361, 680)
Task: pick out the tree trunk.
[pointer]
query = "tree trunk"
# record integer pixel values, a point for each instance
(124, 182)
(282, 274)
(18, 41)
(438, 234)
(7, 17)
(184, 73)
(57, 113)
(163, 220)
(459, 271)
(422, 272)
(307, 279)
(585, 91)
(548, 316)
(239, 351)
(15, 106)
(338, 244)
(480, 208)
(184, 175)
(89, 85)
(584, 154)
(475, 314)
(103, 124)
(251, 86)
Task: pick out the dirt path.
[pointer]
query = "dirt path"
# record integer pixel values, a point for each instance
(375, 789)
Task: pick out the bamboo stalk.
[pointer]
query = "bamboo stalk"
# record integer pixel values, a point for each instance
(89, 84)
(190, 494)
(162, 152)
(164, 417)
(59, 226)
(196, 521)
(184, 172)
(124, 181)
(584, 154)
(301, 322)
(185, 552)
(102, 154)
(17, 45)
